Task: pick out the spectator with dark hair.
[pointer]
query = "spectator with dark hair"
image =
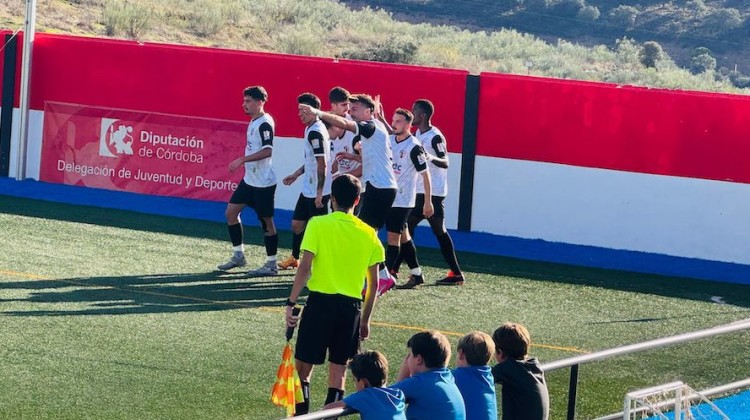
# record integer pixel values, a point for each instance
(474, 376)
(524, 389)
(334, 319)
(373, 400)
(316, 173)
(428, 385)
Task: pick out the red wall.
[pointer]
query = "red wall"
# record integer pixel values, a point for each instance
(656, 131)
(207, 82)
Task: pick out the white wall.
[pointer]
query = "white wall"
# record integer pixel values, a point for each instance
(675, 216)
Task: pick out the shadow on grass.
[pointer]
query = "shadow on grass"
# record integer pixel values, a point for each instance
(677, 287)
(155, 293)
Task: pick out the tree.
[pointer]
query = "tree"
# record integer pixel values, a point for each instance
(569, 7)
(393, 50)
(650, 54)
(721, 21)
(589, 13)
(702, 63)
(623, 16)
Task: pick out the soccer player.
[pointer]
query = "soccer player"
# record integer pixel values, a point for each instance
(258, 186)
(331, 320)
(377, 173)
(316, 186)
(409, 164)
(344, 146)
(434, 144)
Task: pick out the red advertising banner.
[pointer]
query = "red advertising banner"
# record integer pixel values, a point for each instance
(138, 152)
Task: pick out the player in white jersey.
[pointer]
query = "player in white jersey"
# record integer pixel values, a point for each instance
(435, 146)
(344, 144)
(377, 173)
(410, 167)
(316, 173)
(258, 186)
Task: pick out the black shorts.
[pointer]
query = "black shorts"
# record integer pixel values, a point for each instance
(437, 202)
(261, 199)
(376, 204)
(396, 222)
(306, 210)
(328, 322)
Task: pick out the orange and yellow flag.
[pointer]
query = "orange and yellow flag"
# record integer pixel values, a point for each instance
(287, 390)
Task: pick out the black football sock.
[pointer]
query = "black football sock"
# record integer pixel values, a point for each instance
(272, 244)
(334, 395)
(409, 252)
(296, 244)
(449, 252)
(391, 254)
(235, 234)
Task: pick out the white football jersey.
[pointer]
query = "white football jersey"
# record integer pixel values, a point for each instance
(408, 162)
(376, 155)
(345, 144)
(259, 136)
(434, 143)
(317, 145)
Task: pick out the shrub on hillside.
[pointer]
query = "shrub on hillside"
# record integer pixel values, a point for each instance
(392, 50)
(623, 16)
(568, 8)
(721, 21)
(122, 16)
(589, 13)
(702, 63)
(650, 54)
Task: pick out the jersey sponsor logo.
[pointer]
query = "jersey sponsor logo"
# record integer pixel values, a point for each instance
(397, 168)
(316, 143)
(402, 154)
(115, 138)
(441, 147)
(266, 135)
(421, 159)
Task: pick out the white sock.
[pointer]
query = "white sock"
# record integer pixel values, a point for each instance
(239, 248)
(271, 258)
(416, 271)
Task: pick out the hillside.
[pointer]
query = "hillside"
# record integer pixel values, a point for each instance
(466, 34)
(680, 26)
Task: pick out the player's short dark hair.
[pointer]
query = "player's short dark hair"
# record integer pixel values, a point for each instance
(426, 106)
(513, 340)
(339, 94)
(434, 348)
(477, 347)
(408, 116)
(345, 189)
(364, 99)
(256, 92)
(370, 365)
(308, 98)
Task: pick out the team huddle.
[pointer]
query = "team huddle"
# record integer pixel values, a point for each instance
(403, 178)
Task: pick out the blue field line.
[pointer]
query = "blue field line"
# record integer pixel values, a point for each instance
(477, 242)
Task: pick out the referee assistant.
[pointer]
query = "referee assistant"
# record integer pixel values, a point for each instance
(343, 250)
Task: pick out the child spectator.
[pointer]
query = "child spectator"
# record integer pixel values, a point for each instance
(372, 399)
(429, 387)
(524, 389)
(474, 376)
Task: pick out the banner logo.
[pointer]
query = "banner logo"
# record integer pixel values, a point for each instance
(115, 138)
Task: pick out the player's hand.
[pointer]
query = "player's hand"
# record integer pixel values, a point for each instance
(291, 320)
(428, 210)
(319, 201)
(334, 166)
(364, 330)
(345, 155)
(235, 164)
(289, 180)
(306, 109)
(378, 107)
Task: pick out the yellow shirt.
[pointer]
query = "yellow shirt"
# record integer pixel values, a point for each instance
(344, 247)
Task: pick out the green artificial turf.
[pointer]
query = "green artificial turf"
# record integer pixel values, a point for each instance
(113, 314)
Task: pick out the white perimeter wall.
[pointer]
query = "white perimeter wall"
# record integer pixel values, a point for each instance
(668, 215)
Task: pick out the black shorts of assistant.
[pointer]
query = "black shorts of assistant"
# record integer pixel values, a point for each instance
(376, 204)
(306, 210)
(328, 323)
(260, 199)
(437, 202)
(396, 222)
